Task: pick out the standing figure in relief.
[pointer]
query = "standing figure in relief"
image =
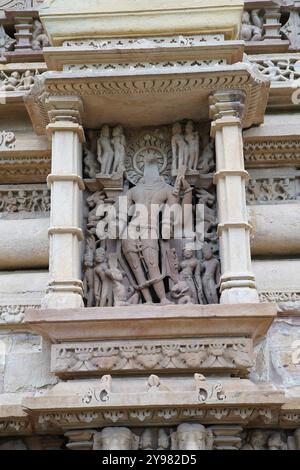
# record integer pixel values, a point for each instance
(119, 144)
(142, 251)
(105, 151)
(179, 148)
(90, 156)
(192, 139)
(211, 275)
(190, 272)
(88, 281)
(103, 286)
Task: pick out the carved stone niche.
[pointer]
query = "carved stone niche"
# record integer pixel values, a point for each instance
(211, 338)
(171, 168)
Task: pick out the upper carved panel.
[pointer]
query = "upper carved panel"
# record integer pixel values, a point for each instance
(168, 167)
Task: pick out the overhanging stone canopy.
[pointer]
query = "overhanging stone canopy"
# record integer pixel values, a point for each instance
(137, 18)
(168, 97)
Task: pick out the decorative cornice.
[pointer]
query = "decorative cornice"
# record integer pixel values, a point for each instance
(240, 77)
(261, 152)
(157, 402)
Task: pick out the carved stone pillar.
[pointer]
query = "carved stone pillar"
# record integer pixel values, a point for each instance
(237, 281)
(65, 181)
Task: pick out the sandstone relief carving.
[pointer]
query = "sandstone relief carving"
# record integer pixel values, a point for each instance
(17, 81)
(271, 189)
(6, 43)
(17, 201)
(149, 42)
(252, 25)
(39, 37)
(201, 354)
(7, 140)
(157, 168)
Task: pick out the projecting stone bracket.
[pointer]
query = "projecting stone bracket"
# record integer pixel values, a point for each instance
(143, 338)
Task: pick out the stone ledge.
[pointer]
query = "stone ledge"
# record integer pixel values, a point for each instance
(159, 402)
(148, 321)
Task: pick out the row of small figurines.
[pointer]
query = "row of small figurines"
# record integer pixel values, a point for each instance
(105, 283)
(25, 201)
(106, 155)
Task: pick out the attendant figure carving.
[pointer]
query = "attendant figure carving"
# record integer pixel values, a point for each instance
(103, 285)
(190, 273)
(119, 144)
(180, 149)
(192, 139)
(211, 275)
(88, 280)
(105, 151)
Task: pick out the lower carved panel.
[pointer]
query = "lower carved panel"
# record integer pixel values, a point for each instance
(186, 436)
(218, 354)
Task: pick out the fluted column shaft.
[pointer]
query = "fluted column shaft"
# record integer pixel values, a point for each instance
(65, 289)
(234, 230)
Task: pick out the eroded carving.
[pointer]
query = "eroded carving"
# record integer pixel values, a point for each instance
(252, 26)
(29, 200)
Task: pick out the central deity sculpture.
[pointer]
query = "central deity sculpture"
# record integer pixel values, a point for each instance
(142, 252)
(147, 241)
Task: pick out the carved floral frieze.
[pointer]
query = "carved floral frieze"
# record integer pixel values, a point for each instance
(196, 354)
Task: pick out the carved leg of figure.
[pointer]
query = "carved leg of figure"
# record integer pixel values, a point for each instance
(134, 262)
(152, 261)
(210, 292)
(116, 164)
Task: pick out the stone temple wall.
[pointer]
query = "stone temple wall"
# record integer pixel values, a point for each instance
(117, 329)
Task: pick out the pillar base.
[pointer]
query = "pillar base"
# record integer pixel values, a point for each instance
(239, 295)
(59, 300)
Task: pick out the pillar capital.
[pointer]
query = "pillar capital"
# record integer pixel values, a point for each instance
(226, 108)
(65, 114)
